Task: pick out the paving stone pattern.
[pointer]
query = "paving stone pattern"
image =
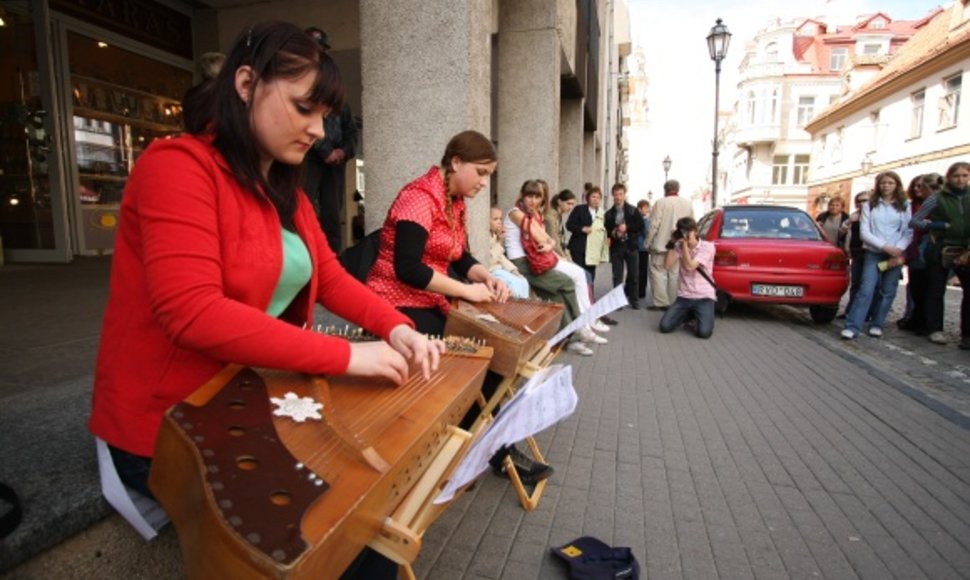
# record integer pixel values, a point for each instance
(742, 456)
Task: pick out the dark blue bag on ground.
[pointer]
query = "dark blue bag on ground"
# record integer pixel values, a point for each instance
(590, 559)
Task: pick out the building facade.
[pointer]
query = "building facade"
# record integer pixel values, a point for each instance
(909, 117)
(84, 87)
(791, 72)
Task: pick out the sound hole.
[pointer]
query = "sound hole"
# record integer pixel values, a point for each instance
(247, 463)
(237, 405)
(281, 497)
(237, 431)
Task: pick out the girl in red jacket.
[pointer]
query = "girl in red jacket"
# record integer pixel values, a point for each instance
(219, 256)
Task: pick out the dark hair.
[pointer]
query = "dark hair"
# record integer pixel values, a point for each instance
(671, 187)
(911, 190)
(953, 168)
(593, 189)
(617, 186)
(544, 205)
(643, 203)
(529, 187)
(932, 180)
(563, 196)
(274, 50)
(686, 224)
(899, 195)
(470, 147)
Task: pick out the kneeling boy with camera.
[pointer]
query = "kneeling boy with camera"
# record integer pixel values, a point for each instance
(696, 297)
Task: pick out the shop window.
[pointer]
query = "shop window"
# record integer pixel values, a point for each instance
(122, 101)
(26, 217)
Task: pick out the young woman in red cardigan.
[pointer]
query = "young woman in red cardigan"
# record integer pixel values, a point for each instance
(424, 237)
(220, 259)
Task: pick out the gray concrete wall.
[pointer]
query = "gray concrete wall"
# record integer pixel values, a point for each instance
(529, 57)
(571, 145)
(426, 71)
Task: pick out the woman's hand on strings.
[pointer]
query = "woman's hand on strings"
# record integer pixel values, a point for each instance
(498, 288)
(478, 292)
(378, 360)
(417, 348)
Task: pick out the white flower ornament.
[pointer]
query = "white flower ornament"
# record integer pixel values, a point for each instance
(297, 408)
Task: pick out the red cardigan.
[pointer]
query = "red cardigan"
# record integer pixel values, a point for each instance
(196, 262)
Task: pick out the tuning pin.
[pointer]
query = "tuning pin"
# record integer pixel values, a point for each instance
(299, 466)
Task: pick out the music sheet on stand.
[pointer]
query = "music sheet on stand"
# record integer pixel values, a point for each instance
(546, 399)
(613, 300)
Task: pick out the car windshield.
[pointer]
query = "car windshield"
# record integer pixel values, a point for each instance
(770, 223)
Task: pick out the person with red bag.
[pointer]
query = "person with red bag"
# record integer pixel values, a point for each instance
(531, 249)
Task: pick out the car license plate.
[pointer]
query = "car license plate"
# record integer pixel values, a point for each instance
(782, 291)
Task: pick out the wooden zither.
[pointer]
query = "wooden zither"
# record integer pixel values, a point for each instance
(516, 330)
(257, 495)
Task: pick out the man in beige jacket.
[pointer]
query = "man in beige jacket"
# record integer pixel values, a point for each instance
(663, 220)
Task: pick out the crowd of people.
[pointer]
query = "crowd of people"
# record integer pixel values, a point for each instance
(925, 228)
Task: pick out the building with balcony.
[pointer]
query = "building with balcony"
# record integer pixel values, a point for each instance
(790, 72)
(908, 117)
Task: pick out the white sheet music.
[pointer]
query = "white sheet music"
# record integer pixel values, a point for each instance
(143, 513)
(614, 299)
(548, 397)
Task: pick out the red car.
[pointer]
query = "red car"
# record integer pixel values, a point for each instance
(777, 255)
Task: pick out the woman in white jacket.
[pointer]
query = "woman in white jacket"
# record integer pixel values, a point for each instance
(885, 235)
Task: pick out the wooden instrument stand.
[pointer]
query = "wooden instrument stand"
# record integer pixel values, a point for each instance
(399, 538)
(505, 391)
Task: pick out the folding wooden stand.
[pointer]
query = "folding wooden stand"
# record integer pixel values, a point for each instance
(399, 538)
(505, 391)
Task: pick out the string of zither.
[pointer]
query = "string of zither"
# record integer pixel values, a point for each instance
(380, 406)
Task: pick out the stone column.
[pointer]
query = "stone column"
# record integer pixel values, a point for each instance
(529, 57)
(571, 146)
(425, 69)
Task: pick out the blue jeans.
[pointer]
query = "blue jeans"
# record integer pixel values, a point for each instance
(876, 286)
(682, 309)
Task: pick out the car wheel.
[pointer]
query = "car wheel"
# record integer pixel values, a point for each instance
(823, 314)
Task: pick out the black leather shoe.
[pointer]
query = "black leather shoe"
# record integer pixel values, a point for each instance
(608, 320)
(635, 305)
(530, 471)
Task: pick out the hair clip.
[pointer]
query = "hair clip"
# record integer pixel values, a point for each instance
(249, 37)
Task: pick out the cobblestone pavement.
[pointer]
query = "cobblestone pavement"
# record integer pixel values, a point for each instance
(772, 450)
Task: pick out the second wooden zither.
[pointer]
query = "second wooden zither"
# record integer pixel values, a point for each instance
(516, 329)
(256, 495)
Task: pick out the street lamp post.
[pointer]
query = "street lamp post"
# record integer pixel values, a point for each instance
(667, 163)
(717, 43)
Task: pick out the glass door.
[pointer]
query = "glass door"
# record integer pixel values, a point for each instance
(32, 215)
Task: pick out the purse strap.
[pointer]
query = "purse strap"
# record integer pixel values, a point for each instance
(703, 271)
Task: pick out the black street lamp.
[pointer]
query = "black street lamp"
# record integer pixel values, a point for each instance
(667, 163)
(717, 43)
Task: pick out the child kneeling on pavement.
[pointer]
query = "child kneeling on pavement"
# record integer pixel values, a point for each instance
(696, 297)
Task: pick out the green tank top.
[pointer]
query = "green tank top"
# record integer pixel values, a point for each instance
(295, 273)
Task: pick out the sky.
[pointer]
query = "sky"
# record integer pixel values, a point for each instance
(681, 74)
